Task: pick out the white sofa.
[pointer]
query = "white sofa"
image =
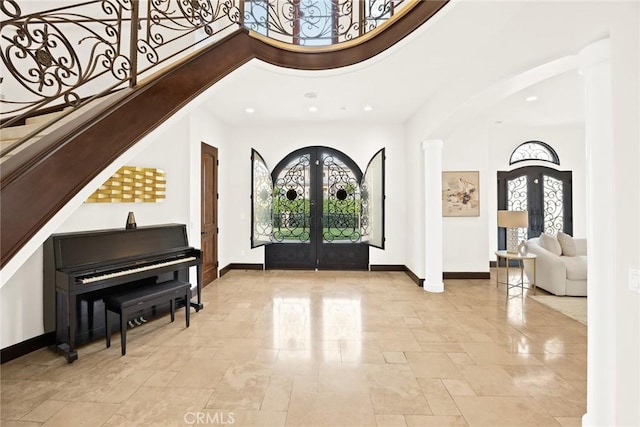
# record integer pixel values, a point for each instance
(560, 275)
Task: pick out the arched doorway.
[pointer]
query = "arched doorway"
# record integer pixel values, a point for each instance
(545, 193)
(317, 210)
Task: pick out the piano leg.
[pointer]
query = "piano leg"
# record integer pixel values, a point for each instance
(198, 305)
(66, 326)
(68, 354)
(68, 350)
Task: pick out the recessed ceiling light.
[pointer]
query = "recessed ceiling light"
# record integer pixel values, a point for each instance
(313, 109)
(368, 108)
(531, 98)
(311, 95)
(249, 110)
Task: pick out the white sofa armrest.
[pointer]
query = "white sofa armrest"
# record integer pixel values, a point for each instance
(551, 273)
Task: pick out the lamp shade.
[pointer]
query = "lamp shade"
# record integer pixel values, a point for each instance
(513, 219)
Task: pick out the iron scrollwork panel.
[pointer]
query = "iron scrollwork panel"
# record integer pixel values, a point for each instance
(518, 200)
(170, 27)
(316, 22)
(373, 202)
(553, 204)
(341, 202)
(261, 201)
(55, 54)
(291, 203)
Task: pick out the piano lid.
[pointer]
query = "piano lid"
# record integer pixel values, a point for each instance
(96, 246)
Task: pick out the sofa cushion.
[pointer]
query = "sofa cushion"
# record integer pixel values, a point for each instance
(576, 267)
(550, 243)
(567, 244)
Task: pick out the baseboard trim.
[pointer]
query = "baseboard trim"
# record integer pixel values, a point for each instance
(240, 266)
(397, 267)
(465, 275)
(418, 281)
(26, 347)
(387, 267)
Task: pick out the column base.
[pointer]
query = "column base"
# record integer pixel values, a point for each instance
(434, 287)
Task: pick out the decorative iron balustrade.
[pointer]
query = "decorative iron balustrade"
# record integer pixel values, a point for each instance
(317, 22)
(69, 55)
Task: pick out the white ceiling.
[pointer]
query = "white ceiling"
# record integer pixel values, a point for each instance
(467, 47)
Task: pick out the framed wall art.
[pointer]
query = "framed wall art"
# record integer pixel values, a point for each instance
(461, 193)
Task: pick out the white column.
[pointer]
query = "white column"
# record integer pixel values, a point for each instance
(595, 67)
(433, 215)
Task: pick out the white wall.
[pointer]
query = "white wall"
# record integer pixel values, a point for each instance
(625, 69)
(360, 142)
(466, 239)
(21, 297)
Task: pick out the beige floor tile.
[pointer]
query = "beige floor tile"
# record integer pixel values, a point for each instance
(569, 422)
(397, 341)
(278, 394)
(432, 365)
(21, 397)
(394, 390)
(80, 414)
(394, 357)
(260, 418)
(458, 387)
(438, 397)
(243, 386)
(330, 409)
(13, 423)
(503, 411)
(484, 353)
(460, 358)
(490, 380)
(342, 378)
(435, 421)
(195, 374)
(45, 410)
(359, 351)
(333, 348)
(383, 420)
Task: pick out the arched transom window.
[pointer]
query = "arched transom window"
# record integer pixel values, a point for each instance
(534, 150)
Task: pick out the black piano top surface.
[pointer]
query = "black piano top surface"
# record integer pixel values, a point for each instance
(86, 248)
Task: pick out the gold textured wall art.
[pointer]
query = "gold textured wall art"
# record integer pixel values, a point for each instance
(132, 184)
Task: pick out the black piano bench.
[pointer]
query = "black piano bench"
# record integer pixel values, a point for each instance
(128, 302)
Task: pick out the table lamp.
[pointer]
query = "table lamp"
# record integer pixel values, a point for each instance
(512, 220)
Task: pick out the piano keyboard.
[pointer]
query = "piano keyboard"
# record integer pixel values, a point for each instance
(92, 279)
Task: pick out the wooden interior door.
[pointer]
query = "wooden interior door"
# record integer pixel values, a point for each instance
(209, 210)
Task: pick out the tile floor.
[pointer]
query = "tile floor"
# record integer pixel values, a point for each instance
(295, 348)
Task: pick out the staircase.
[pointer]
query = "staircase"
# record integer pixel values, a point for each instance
(11, 135)
(75, 152)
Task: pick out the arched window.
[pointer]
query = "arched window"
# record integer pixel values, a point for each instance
(534, 150)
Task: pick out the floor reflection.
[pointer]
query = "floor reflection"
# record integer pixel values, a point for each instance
(292, 323)
(300, 325)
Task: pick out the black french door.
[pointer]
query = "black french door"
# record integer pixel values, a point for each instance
(545, 193)
(316, 210)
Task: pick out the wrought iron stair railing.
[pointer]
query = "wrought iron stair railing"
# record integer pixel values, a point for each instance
(71, 55)
(75, 153)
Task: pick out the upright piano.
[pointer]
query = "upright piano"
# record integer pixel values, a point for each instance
(81, 268)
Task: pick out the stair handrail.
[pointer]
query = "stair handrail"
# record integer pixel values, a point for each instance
(71, 55)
